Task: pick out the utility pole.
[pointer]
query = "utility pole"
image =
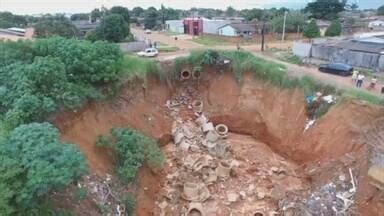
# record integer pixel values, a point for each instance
(285, 19)
(262, 36)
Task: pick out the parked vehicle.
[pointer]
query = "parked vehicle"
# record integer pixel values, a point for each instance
(148, 31)
(149, 52)
(336, 68)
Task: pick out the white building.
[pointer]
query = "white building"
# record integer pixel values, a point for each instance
(176, 26)
(237, 29)
(212, 26)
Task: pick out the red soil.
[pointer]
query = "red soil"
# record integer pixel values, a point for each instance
(271, 115)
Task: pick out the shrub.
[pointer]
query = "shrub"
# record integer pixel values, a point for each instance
(334, 29)
(311, 30)
(132, 149)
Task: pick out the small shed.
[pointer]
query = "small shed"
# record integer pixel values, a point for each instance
(237, 29)
(176, 26)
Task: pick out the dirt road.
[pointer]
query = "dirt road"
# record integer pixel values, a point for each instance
(187, 45)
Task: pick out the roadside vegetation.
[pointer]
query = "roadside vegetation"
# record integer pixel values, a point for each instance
(138, 67)
(132, 150)
(273, 73)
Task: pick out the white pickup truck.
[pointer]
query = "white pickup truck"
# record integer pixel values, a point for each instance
(149, 52)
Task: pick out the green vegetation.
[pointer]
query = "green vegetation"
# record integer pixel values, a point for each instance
(294, 20)
(270, 72)
(33, 162)
(290, 58)
(167, 49)
(334, 29)
(112, 28)
(37, 78)
(209, 40)
(49, 26)
(150, 18)
(380, 11)
(8, 20)
(132, 150)
(134, 66)
(312, 30)
(326, 9)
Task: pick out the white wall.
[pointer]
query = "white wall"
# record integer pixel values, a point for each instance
(212, 26)
(227, 31)
(175, 26)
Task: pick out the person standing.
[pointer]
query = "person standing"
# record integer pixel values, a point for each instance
(360, 80)
(373, 83)
(355, 73)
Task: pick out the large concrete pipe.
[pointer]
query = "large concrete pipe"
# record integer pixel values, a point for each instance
(185, 74)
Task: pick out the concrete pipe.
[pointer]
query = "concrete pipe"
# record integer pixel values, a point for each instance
(223, 170)
(221, 129)
(197, 106)
(185, 74)
(258, 213)
(190, 191)
(195, 209)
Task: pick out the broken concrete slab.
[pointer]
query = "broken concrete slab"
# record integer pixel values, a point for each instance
(223, 170)
(197, 192)
(212, 136)
(208, 127)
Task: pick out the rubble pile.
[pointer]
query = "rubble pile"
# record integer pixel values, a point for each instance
(206, 177)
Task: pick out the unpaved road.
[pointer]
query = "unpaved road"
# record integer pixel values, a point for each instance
(186, 46)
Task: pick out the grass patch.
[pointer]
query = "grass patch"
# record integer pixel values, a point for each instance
(167, 49)
(290, 58)
(364, 96)
(209, 40)
(135, 66)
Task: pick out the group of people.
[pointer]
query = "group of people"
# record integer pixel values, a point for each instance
(358, 78)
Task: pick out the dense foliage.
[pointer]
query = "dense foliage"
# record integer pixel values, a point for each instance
(8, 20)
(380, 11)
(334, 29)
(311, 30)
(36, 78)
(49, 26)
(80, 16)
(326, 9)
(294, 22)
(33, 162)
(132, 149)
(150, 18)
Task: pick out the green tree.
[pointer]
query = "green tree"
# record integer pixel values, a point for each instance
(55, 26)
(150, 18)
(230, 12)
(122, 11)
(325, 9)
(113, 28)
(37, 162)
(380, 11)
(294, 20)
(96, 14)
(311, 30)
(138, 12)
(8, 20)
(80, 16)
(252, 14)
(334, 29)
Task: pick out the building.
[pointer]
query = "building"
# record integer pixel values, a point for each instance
(376, 25)
(237, 29)
(212, 26)
(85, 26)
(176, 26)
(193, 26)
(365, 52)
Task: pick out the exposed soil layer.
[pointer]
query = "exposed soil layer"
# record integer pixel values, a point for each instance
(263, 121)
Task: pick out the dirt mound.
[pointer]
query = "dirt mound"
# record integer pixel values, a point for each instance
(261, 118)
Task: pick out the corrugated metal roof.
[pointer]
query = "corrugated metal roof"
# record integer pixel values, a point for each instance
(243, 27)
(363, 46)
